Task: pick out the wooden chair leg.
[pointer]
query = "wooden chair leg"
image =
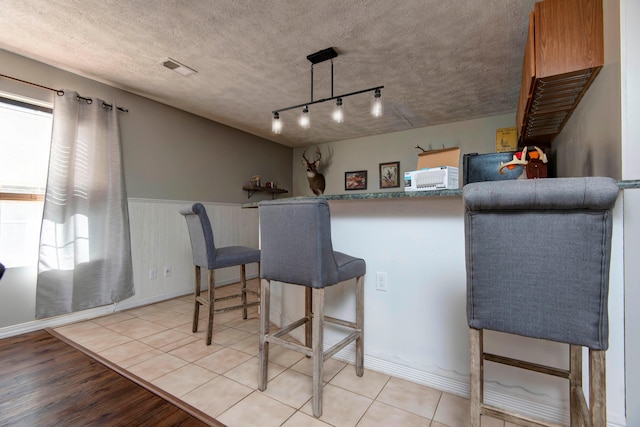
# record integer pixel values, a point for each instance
(212, 298)
(597, 388)
(318, 349)
(259, 293)
(476, 373)
(196, 303)
(575, 384)
(263, 345)
(308, 302)
(360, 325)
(243, 292)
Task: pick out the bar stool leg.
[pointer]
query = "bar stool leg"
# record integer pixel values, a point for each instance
(196, 303)
(575, 385)
(318, 348)
(360, 325)
(212, 297)
(243, 292)
(263, 345)
(476, 368)
(308, 306)
(597, 388)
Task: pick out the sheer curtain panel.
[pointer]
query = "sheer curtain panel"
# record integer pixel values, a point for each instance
(85, 249)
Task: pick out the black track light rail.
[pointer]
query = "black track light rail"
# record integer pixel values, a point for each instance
(327, 99)
(316, 58)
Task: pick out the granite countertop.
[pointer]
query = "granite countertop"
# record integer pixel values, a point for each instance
(624, 185)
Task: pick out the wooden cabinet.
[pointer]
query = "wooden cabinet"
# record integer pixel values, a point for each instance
(563, 55)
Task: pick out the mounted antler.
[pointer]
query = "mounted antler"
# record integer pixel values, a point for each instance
(316, 179)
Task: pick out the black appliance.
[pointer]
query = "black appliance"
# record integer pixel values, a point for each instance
(484, 167)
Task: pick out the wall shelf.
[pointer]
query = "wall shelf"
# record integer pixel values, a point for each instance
(274, 191)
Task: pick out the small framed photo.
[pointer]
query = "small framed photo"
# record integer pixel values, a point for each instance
(356, 180)
(389, 175)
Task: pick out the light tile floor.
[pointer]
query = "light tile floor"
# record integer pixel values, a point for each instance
(155, 342)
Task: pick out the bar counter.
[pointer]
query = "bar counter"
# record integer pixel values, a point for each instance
(457, 192)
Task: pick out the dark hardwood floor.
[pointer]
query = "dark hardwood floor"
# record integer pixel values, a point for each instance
(46, 382)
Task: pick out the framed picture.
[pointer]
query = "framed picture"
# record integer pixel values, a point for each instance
(356, 180)
(389, 175)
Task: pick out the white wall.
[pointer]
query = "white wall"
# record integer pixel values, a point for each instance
(159, 238)
(630, 72)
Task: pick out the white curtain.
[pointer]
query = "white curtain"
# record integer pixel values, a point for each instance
(85, 249)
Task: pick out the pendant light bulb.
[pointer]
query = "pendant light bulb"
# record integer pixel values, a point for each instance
(276, 124)
(305, 122)
(376, 107)
(338, 114)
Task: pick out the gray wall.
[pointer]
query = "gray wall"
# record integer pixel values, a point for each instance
(168, 154)
(472, 136)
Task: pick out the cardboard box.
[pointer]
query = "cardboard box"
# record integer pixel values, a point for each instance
(438, 158)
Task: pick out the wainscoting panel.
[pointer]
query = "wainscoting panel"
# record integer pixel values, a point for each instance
(160, 239)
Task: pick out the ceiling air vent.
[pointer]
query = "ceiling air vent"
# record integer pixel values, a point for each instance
(179, 68)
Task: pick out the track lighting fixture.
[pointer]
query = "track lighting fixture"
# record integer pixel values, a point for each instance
(338, 113)
(305, 122)
(276, 124)
(376, 108)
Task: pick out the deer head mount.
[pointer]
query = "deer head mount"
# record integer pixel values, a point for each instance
(315, 178)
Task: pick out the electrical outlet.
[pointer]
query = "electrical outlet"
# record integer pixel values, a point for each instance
(167, 271)
(153, 273)
(381, 282)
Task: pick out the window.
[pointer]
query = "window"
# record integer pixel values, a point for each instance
(25, 139)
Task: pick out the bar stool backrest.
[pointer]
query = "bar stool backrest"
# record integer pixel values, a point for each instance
(296, 242)
(537, 257)
(203, 247)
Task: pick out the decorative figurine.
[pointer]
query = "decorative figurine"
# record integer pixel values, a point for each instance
(535, 166)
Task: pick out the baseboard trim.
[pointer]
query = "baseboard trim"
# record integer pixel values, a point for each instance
(126, 305)
(65, 319)
(52, 322)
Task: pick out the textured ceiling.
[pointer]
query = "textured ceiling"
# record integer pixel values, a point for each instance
(440, 61)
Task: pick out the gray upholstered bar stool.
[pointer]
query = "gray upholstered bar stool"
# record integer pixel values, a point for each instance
(295, 244)
(207, 255)
(537, 258)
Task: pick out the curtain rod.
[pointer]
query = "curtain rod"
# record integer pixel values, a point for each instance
(60, 92)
